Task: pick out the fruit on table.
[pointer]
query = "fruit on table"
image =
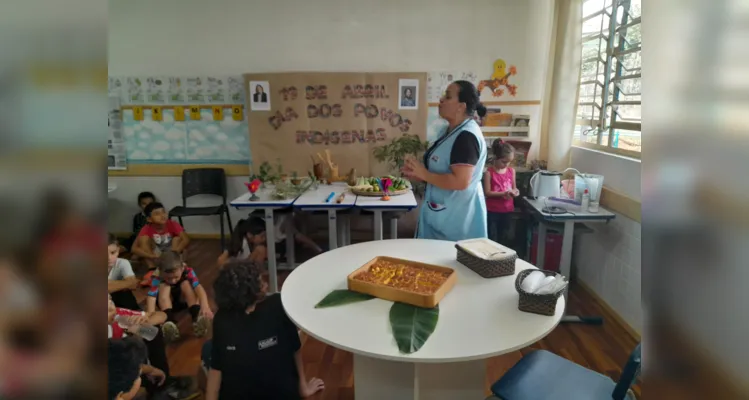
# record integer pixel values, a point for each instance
(369, 184)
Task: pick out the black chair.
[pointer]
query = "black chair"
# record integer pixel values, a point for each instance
(543, 375)
(209, 181)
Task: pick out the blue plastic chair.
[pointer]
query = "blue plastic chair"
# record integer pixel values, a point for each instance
(544, 375)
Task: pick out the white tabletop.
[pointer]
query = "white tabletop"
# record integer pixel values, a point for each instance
(575, 213)
(479, 318)
(405, 201)
(315, 199)
(265, 200)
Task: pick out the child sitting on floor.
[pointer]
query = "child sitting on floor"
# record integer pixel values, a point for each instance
(121, 280)
(126, 369)
(133, 317)
(175, 287)
(175, 387)
(249, 240)
(160, 234)
(139, 219)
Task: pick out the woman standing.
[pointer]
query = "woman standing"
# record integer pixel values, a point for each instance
(454, 206)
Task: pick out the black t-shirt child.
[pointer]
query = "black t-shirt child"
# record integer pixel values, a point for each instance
(255, 352)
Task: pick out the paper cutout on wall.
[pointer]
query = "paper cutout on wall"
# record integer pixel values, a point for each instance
(179, 113)
(156, 113)
(499, 79)
(218, 113)
(138, 113)
(195, 113)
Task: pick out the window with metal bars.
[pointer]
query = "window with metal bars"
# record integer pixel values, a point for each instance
(608, 110)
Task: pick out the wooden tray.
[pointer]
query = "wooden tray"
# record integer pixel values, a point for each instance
(403, 296)
(379, 194)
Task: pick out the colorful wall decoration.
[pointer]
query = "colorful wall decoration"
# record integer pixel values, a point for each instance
(183, 120)
(292, 116)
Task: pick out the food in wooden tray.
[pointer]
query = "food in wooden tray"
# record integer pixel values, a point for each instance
(404, 277)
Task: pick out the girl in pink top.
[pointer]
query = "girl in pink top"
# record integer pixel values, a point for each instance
(500, 190)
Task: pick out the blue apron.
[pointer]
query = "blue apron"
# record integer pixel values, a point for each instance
(453, 214)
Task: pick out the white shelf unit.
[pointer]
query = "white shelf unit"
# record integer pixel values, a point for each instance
(492, 129)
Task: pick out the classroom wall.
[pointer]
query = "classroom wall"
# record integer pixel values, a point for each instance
(609, 260)
(227, 37)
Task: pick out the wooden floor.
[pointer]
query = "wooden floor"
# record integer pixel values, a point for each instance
(601, 348)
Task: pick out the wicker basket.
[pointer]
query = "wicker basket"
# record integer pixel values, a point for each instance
(544, 304)
(487, 268)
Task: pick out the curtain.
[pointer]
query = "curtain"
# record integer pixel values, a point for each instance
(563, 84)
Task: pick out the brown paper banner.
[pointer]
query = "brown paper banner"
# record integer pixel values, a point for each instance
(348, 113)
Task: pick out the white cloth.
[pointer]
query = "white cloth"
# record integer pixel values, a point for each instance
(121, 270)
(563, 85)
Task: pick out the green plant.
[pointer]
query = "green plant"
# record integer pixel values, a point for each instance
(412, 325)
(395, 152)
(266, 171)
(294, 175)
(341, 297)
(279, 167)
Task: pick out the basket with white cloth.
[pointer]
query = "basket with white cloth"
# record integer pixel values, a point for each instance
(486, 258)
(539, 292)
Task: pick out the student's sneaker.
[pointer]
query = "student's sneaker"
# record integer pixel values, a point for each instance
(147, 278)
(170, 331)
(200, 326)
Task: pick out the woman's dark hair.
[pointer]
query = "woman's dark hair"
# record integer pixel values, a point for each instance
(238, 285)
(146, 195)
(259, 87)
(124, 359)
(252, 226)
(468, 94)
(501, 149)
(112, 240)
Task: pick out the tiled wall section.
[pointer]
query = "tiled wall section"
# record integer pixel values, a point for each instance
(608, 261)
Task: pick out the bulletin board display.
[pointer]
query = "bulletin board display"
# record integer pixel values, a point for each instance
(170, 121)
(168, 141)
(293, 116)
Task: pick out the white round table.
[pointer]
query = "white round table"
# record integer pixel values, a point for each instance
(479, 319)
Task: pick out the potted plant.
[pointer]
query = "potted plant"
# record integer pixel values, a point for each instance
(295, 179)
(395, 152)
(279, 170)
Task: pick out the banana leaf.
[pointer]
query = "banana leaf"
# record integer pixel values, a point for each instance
(412, 325)
(341, 297)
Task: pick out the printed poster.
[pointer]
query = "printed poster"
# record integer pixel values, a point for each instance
(195, 89)
(437, 82)
(135, 91)
(215, 90)
(116, 148)
(115, 87)
(176, 91)
(235, 87)
(155, 90)
(260, 97)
